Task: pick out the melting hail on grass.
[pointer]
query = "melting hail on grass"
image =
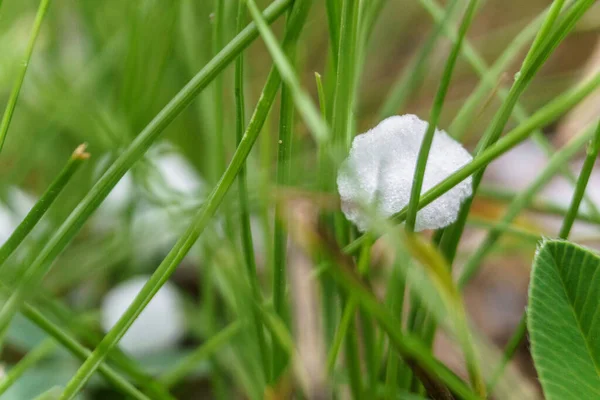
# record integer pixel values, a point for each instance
(380, 168)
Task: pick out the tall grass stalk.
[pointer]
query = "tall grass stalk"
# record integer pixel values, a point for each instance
(247, 241)
(65, 233)
(16, 90)
(518, 336)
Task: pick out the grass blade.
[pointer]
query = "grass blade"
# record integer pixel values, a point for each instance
(65, 233)
(31, 358)
(14, 94)
(43, 204)
(185, 366)
(247, 241)
(436, 110)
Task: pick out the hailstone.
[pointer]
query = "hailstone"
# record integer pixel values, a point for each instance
(380, 168)
(158, 327)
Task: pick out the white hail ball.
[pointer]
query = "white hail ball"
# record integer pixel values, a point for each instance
(160, 325)
(380, 168)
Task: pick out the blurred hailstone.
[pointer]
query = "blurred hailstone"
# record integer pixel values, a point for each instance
(560, 191)
(380, 168)
(159, 327)
(16, 206)
(518, 168)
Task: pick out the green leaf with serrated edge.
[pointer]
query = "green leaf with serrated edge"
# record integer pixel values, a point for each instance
(564, 320)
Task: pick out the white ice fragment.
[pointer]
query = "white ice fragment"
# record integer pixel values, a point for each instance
(179, 174)
(13, 211)
(158, 327)
(518, 168)
(380, 168)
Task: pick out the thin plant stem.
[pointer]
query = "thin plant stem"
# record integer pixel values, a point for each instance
(539, 54)
(584, 177)
(541, 118)
(247, 241)
(408, 346)
(436, 110)
(62, 337)
(218, 136)
(309, 112)
(65, 233)
(560, 158)
(536, 205)
(43, 204)
(519, 334)
(185, 242)
(16, 89)
(411, 79)
(184, 367)
(342, 97)
(280, 237)
(35, 355)
(333, 17)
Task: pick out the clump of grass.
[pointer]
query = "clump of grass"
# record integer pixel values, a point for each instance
(241, 336)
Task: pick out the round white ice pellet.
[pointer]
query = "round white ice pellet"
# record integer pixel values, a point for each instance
(381, 167)
(158, 327)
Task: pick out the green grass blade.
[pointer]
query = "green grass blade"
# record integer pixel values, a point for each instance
(541, 118)
(537, 205)
(582, 182)
(436, 110)
(342, 97)
(411, 79)
(43, 204)
(333, 8)
(247, 241)
(186, 366)
(302, 100)
(134, 152)
(516, 206)
(16, 90)
(489, 81)
(409, 347)
(185, 242)
(38, 353)
(282, 179)
(519, 335)
(62, 337)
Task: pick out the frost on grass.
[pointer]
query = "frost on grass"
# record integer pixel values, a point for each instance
(380, 168)
(158, 327)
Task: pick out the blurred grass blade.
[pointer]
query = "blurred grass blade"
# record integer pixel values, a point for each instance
(536, 57)
(306, 107)
(282, 179)
(490, 79)
(521, 330)
(410, 79)
(199, 223)
(541, 118)
(436, 110)
(69, 343)
(247, 241)
(410, 348)
(344, 80)
(537, 205)
(582, 182)
(520, 201)
(44, 203)
(439, 273)
(186, 366)
(14, 94)
(134, 152)
(32, 357)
